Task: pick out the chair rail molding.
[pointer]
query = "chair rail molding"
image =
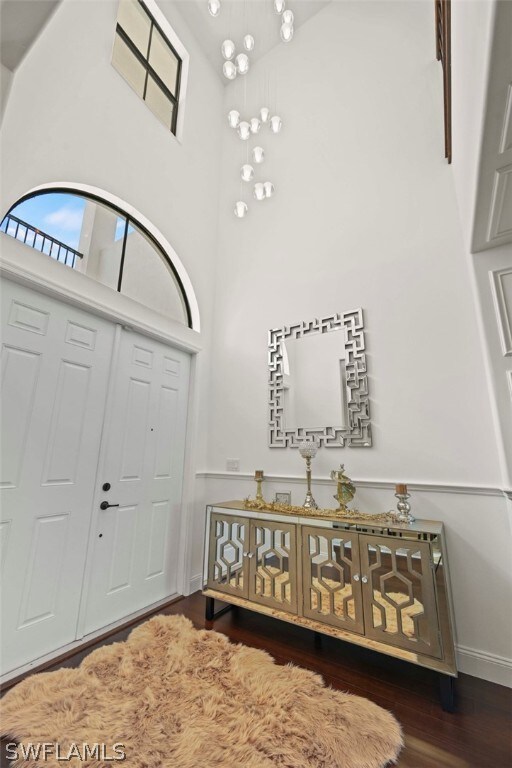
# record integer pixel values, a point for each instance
(379, 484)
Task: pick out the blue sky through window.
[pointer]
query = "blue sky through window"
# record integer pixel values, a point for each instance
(60, 215)
(120, 228)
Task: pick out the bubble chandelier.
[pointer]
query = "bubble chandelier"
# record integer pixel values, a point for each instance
(235, 64)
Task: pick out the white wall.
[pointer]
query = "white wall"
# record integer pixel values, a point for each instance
(365, 214)
(6, 78)
(472, 28)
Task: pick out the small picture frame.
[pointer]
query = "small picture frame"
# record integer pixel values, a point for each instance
(284, 497)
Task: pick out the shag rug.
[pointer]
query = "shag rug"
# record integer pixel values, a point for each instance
(176, 697)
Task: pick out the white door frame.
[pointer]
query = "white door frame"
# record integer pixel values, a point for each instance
(24, 265)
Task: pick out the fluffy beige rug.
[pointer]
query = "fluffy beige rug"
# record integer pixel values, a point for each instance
(176, 697)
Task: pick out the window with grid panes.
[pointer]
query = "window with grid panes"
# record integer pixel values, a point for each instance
(147, 61)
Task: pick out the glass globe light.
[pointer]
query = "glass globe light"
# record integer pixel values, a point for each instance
(286, 32)
(233, 118)
(288, 17)
(242, 63)
(229, 70)
(248, 42)
(268, 188)
(247, 172)
(259, 191)
(244, 130)
(264, 114)
(255, 125)
(279, 5)
(275, 124)
(214, 7)
(258, 154)
(240, 209)
(228, 49)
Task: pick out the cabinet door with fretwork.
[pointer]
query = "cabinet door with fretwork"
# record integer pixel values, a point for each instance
(273, 565)
(227, 554)
(331, 580)
(399, 594)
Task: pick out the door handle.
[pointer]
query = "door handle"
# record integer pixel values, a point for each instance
(106, 505)
(365, 579)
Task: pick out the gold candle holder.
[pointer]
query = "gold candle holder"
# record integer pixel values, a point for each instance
(258, 476)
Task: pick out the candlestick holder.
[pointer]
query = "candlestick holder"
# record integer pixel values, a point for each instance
(307, 450)
(403, 506)
(258, 476)
(346, 490)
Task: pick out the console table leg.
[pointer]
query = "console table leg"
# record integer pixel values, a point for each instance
(447, 692)
(209, 611)
(210, 614)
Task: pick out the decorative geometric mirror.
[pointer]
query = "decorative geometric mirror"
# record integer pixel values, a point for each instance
(318, 383)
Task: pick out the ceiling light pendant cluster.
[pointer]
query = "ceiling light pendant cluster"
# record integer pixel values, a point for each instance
(253, 126)
(287, 17)
(214, 7)
(263, 190)
(286, 32)
(249, 42)
(239, 64)
(241, 209)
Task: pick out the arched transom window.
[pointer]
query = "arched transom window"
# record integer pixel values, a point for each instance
(99, 239)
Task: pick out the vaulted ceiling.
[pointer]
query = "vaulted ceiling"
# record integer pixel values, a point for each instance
(20, 24)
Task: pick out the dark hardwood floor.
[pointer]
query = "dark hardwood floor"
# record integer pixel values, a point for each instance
(477, 735)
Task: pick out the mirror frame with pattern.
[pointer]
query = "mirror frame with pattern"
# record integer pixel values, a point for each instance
(357, 432)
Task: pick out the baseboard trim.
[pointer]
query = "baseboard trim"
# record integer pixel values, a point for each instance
(196, 583)
(60, 654)
(473, 490)
(496, 669)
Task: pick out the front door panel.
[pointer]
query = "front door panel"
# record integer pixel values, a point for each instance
(56, 362)
(135, 560)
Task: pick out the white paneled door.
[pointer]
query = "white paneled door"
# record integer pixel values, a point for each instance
(137, 519)
(84, 404)
(55, 370)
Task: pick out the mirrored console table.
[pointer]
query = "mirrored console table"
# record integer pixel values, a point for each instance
(384, 586)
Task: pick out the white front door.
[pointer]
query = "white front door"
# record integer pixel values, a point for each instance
(136, 539)
(55, 369)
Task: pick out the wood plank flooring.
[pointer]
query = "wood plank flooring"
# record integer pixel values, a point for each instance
(477, 735)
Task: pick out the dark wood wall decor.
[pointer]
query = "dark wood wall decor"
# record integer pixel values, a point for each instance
(444, 55)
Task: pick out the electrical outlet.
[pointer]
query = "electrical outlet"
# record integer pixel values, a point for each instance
(233, 465)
